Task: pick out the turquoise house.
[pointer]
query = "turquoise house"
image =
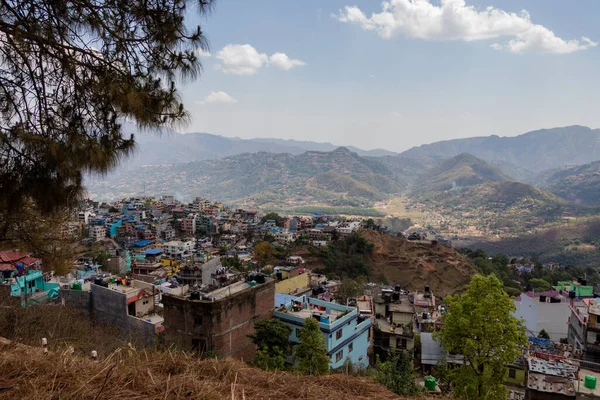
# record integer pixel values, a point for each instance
(31, 282)
(346, 333)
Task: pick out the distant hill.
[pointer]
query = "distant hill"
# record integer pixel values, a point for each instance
(534, 151)
(170, 147)
(579, 184)
(575, 243)
(318, 146)
(459, 171)
(496, 207)
(339, 178)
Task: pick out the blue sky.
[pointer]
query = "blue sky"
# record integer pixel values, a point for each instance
(316, 70)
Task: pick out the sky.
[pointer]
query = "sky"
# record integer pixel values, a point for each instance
(395, 74)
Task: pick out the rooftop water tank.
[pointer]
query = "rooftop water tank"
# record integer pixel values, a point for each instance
(590, 382)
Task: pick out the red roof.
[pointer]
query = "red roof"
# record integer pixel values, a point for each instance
(30, 260)
(141, 294)
(12, 256)
(7, 267)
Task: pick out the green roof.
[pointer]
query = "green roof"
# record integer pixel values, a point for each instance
(584, 291)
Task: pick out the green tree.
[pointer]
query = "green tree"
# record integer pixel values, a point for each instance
(263, 253)
(540, 285)
(397, 374)
(272, 216)
(442, 373)
(101, 257)
(543, 334)
(71, 72)
(348, 288)
(272, 339)
(311, 353)
(479, 326)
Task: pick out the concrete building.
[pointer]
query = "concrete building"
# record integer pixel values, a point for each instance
(219, 321)
(97, 232)
(188, 224)
(130, 306)
(291, 280)
(116, 265)
(346, 333)
(584, 328)
(394, 322)
(179, 249)
(545, 310)
(577, 330)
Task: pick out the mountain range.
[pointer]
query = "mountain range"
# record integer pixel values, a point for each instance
(274, 171)
(340, 177)
(169, 147)
(535, 151)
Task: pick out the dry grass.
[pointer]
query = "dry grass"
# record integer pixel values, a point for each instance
(134, 374)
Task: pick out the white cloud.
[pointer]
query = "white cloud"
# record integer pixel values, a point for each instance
(455, 20)
(203, 53)
(243, 59)
(282, 61)
(218, 97)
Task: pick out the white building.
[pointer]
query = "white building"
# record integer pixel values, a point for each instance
(178, 248)
(84, 216)
(97, 232)
(284, 236)
(540, 313)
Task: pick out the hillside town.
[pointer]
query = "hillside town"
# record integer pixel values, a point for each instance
(197, 275)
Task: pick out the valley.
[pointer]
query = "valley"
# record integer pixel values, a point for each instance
(476, 190)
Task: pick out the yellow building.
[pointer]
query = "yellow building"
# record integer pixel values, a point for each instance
(290, 283)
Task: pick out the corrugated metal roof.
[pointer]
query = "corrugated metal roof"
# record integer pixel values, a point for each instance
(431, 351)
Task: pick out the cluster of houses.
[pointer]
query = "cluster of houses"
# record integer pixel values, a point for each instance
(168, 272)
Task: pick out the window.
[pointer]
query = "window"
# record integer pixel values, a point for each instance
(338, 335)
(339, 355)
(298, 333)
(512, 374)
(350, 347)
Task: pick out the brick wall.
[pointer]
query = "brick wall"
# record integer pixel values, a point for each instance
(222, 325)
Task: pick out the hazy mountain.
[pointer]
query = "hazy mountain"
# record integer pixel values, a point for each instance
(579, 184)
(317, 146)
(170, 147)
(535, 151)
(459, 171)
(340, 177)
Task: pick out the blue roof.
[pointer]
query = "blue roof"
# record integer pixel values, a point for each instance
(153, 252)
(142, 243)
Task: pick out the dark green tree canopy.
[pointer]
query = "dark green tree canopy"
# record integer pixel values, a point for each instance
(311, 352)
(272, 333)
(70, 73)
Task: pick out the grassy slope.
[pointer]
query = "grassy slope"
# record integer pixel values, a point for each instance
(131, 374)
